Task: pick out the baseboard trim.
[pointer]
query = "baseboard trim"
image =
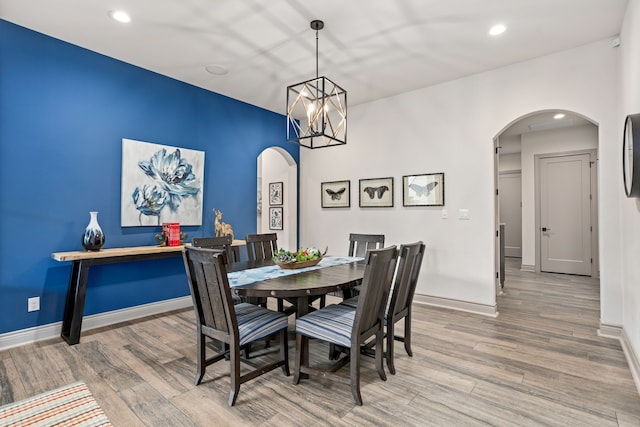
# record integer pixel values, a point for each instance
(527, 267)
(53, 330)
(610, 331)
(632, 359)
(618, 333)
(470, 307)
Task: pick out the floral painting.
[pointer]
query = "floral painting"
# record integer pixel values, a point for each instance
(160, 184)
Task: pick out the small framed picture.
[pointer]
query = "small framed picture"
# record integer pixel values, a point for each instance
(336, 194)
(423, 190)
(275, 218)
(275, 193)
(376, 193)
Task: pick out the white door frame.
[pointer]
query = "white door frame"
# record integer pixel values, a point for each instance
(594, 205)
(496, 224)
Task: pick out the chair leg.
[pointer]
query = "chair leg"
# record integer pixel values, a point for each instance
(201, 358)
(390, 338)
(247, 350)
(284, 351)
(380, 354)
(334, 353)
(407, 334)
(355, 376)
(323, 301)
(235, 374)
(300, 341)
(280, 305)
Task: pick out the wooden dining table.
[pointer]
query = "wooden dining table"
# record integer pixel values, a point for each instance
(303, 288)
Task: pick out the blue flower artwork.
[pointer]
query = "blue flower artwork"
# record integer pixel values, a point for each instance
(160, 184)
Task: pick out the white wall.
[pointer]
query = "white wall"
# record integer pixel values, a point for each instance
(630, 208)
(450, 128)
(275, 165)
(546, 142)
(510, 162)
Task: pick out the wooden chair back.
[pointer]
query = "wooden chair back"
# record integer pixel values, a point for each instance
(404, 287)
(207, 276)
(376, 285)
(222, 242)
(218, 319)
(261, 246)
(359, 244)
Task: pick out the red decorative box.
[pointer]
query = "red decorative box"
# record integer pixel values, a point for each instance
(171, 233)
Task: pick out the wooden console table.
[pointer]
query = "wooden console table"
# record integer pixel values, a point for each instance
(83, 260)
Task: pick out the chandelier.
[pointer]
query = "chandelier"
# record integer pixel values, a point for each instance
(317, 109)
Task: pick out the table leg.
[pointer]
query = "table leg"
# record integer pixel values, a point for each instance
(74, 307)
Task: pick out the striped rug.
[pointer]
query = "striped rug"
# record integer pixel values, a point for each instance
(71, 405)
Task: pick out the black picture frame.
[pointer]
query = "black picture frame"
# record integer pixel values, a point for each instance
(376, 193)
(276, 220)
(425, 189)
(276, 193)
(335, 194)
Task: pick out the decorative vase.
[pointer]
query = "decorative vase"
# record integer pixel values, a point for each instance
(93, 238)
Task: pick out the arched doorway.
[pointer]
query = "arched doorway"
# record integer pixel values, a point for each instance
(278, 168)
(523, 149)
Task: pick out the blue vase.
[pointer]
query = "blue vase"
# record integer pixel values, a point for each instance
(93, 238)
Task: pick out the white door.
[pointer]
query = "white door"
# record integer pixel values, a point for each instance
(511, 212)
(565, 214)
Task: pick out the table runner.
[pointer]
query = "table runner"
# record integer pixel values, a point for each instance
(246, 277)
(71, 405)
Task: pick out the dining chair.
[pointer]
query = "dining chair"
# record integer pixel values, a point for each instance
(233, 255)
(341, 325)
(261, 246)
(221, 242)
(359, 244)
(220, 320)
(399, 304)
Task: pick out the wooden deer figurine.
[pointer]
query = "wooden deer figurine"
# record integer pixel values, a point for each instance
(222, 228)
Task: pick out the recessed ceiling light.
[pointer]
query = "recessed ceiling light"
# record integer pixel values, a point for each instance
(120, 16)
(559, 116)
(497, 29)
(216, 70)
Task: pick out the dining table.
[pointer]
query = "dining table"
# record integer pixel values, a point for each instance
(298, 287)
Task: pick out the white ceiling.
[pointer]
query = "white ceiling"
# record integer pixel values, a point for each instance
(372, 48)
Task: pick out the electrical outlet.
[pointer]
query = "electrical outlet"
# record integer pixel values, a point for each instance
(33, 304)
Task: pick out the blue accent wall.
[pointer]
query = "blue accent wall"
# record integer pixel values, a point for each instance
(63, 113)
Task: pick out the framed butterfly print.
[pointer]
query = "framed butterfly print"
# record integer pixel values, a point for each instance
(423, 190)
(376, 193)
(336, 194)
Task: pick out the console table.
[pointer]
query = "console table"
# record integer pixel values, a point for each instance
(83, 260)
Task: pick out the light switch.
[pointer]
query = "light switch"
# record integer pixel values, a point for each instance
(445, 214)
(463, 214)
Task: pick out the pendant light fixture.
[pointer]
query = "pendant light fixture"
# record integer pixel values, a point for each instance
(317, 109)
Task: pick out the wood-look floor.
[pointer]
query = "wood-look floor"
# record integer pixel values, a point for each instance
(539, 363)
